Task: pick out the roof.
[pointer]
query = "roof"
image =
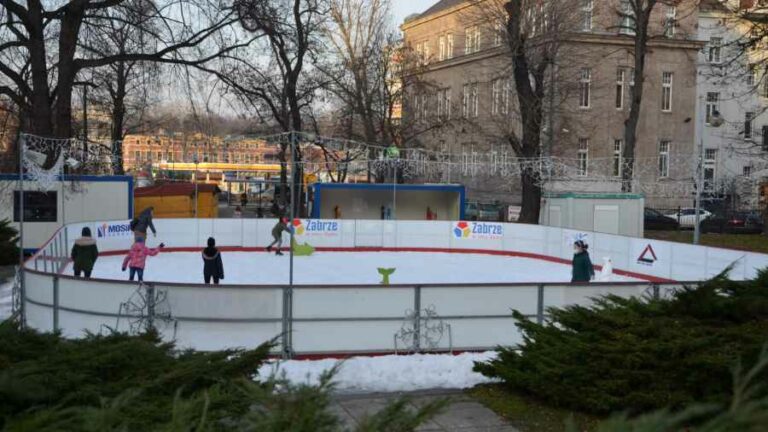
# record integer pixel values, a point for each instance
(440, 6)
(389, 186)
(174, 189)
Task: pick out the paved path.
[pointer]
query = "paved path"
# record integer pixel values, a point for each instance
(463, 414)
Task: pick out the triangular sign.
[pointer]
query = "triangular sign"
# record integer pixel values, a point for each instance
(644, 256)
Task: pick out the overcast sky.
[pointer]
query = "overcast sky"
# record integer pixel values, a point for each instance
(403, 8)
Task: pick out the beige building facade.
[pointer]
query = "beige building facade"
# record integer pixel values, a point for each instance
(465, 97)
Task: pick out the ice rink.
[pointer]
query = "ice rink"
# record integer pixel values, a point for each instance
(346, 268)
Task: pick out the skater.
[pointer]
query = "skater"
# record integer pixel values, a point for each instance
(140, 224)
(238, 212)
(277, 235)
(84, 254)
(243, 200)
(337, 212)
(213, 267)
(260, 212)
(137, 258)
(582, 265)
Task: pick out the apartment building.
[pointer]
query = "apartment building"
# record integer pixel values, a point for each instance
(142, 150)
(732, 81)
(466, 94)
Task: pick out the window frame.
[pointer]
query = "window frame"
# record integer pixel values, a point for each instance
(585, 88)
(33, 204)
(666, 91)
(583, 158)
(665, 147)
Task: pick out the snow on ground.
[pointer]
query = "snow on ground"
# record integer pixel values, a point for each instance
(387, 373)
(346, 268)
(6, 302)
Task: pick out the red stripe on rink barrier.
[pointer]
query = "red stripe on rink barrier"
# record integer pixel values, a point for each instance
(529, 255)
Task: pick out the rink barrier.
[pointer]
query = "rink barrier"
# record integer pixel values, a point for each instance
(338, 320)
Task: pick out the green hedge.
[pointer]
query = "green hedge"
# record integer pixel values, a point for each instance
(9, 237)
(636, 355)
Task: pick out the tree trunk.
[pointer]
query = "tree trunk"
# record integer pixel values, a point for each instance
(118, 119)
(531, 198)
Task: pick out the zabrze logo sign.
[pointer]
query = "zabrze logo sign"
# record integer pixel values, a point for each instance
(311, 227)
(113, 230)
(648, 257)
(478, 230)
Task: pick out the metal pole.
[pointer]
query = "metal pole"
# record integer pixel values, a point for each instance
(55, 304)
(540, 305)
(21, 145)
(699, 182)
(417, 319)
(288, 298)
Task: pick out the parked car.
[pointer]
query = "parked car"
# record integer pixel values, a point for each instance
(687, 216)
(734, 223)
(654, 220)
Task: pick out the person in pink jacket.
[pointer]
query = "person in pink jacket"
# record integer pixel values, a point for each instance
(137, 258)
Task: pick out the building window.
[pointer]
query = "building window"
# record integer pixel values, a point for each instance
(505, 96)
(666, 91)
(746, 171)
(441, 48)
(587, 7)
(715, 49)
(664, 158)
(424, 106)
(621, 74)
(670, 20)
(472, 40)
(765, 138)
(499, 31)
(618, 160)
(444, 104)
(583, 157)
(710, 169)
(748, 117)
(473, 100)
(713, 99)
(137, 155)
(751, 75)
(449, 46)
(38, 206)
(627, 18)
(585, 79)
(496, 89)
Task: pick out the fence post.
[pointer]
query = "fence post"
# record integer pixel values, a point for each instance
(55, 304)
(540, 305)
(150, 306)
(417, 318)
(287, 340)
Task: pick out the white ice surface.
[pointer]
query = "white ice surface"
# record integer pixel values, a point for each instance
(346, 268)
(387, 373)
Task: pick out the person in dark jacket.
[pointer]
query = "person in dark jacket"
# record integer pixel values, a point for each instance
(140, 224)
(213, 267)
(583, 271)
(277, 234)
(84, 254)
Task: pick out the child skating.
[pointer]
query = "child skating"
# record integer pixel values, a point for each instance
(277, 234)
(213, 267)
(137, 258)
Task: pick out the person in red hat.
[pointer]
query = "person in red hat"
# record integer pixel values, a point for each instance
(277, 234)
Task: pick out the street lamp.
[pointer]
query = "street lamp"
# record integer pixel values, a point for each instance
(715, 120)
(196, 192)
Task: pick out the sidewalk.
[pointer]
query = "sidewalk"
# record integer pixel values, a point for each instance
(463, 414)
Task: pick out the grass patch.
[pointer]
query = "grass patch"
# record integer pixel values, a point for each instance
(528, 414)
(745, 242)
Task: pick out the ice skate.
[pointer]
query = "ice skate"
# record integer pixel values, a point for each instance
(278, 253)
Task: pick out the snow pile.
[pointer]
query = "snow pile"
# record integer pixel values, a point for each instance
(6, 296)
(389, 373)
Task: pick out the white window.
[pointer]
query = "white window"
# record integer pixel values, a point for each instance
(444, 104)
(505, 96)
(715, 48)
(713, 99)
(424, 106)
(426, 51)
(746, 171)
(664, 158)
(583, 157)
(469, 100)
(585, 83)
(710, 169)
(618, 160)
(751, 75)
(748, 117)
(627, 18)
(448, 46)
(498, 35)
(441, 48)
(496, 89)
(587, 7)
(621, 76)
(666, 91)
(472, 40)
(670, 20)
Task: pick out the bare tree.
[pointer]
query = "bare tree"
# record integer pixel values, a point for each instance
(42, 51)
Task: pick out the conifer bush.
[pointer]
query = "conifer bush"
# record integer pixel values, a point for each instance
(637, 355)
(9, 237)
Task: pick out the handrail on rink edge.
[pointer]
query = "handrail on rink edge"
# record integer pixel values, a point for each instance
(48, 263)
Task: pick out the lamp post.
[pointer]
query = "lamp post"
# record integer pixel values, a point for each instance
(196, 191)
(715, 120)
